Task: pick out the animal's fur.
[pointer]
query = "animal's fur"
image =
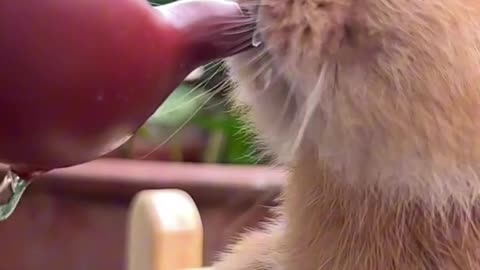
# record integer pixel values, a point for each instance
(373, 106)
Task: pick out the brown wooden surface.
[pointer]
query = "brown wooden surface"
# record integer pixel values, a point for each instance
(76, 218)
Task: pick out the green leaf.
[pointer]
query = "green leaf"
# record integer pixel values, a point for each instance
(179, 107)
(160, 2)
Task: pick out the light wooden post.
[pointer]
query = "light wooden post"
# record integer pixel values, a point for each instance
(164, 231)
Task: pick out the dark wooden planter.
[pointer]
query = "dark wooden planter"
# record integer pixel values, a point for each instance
(75, 218)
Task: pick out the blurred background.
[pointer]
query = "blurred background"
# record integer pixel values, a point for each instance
(76, 218)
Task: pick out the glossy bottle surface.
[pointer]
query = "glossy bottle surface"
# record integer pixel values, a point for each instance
(78, 78)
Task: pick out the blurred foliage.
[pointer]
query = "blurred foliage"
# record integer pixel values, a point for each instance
(160, 2)
(201, 105)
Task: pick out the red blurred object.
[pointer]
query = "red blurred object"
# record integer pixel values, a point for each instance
(78, 78)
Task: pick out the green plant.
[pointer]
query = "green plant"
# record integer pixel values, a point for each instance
(160, 2)
(202, 104)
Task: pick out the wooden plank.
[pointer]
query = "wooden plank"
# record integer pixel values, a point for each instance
(164, 232)
(127, 177)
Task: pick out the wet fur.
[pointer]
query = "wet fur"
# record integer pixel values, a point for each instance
(373, 106)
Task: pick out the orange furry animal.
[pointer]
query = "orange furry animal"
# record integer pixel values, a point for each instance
(373, 106)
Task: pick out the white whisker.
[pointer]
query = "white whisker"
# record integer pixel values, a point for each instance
(194, 89)
(310, 106)
(174, 133)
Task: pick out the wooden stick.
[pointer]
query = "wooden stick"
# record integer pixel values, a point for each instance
(164, 231)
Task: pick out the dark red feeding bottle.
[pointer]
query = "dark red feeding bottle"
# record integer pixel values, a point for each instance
(78, 78)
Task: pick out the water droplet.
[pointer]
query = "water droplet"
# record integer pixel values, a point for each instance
(268, 78)
(13, 186)
(257, 39)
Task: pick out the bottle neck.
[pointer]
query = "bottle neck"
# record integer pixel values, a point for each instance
(206, 29)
